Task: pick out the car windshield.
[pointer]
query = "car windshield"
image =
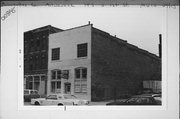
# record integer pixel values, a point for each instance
(157, 95)
(70, 97)
(26, 92)
(54, 97)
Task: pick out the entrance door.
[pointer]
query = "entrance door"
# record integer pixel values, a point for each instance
(67, 87)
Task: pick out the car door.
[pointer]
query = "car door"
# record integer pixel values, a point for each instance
(50, 100)
(32, 94)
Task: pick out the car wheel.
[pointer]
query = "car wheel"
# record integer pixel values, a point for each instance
(60, 104)
(36, 103)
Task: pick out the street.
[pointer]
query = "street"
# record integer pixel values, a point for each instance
(100, 103)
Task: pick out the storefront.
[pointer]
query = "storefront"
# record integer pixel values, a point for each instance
(36, 82)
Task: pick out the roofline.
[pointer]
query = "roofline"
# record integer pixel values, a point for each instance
(78, 27)
(121, 41)
(74, 28)
(43, 28)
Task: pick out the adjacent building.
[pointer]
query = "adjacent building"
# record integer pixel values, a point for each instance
(36, 58)
(94, 65)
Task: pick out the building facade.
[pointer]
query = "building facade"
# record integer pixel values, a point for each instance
(70, 51)
(36, 58)
(96, 65)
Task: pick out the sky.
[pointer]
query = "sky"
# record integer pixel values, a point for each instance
(140, 26)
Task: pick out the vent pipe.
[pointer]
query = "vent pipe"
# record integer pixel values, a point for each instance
(160, 45)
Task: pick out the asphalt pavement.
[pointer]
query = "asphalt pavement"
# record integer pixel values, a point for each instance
(101, 103)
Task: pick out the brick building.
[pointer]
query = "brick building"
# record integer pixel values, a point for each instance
(98, 66)
(36, 57)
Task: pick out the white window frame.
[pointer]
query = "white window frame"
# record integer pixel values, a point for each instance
(80, 82)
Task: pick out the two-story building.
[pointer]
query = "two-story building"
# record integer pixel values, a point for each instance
(98, 66)
(36, 58)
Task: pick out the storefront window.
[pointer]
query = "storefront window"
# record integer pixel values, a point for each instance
(59, 74)
(53, 74)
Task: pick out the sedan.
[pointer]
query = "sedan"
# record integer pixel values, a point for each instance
(137, 100)
(30, 94)
(59, 99)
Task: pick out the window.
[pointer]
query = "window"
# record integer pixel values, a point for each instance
(84, 73)
(77, 88)
(58, 84)
(55, 74)
(55, 81)
(55, 86)
(31, 67)
(84, 87)
(82, 50)
(38, 42)
(81, 73)
(77, 73)
(56, 54)
(32, 43)
(80, 85)
(58, 74)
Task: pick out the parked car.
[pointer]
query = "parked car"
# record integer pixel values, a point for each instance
(30, 94)
(137, 100)
(157, 97)
(59, 99)
(145, 91)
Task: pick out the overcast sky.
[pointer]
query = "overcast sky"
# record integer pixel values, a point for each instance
(139, 26)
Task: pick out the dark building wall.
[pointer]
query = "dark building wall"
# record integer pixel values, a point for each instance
(36, 49)
(119, 68)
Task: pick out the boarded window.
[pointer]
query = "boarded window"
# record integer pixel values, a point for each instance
(77, 88)
(80, 85)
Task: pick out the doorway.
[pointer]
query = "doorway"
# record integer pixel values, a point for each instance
(67, 87)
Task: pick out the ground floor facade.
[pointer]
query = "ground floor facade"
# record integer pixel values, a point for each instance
(70, 78)
(36, 82)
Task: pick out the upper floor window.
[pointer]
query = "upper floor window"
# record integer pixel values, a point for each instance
(82, 50)
(38, 42)
(55, 53)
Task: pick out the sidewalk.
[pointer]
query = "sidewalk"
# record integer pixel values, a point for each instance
(99, 103)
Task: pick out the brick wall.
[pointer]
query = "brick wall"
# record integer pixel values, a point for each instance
(117, 68)
(36, 49)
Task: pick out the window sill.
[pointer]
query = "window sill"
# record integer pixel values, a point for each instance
(80, 79)
(52, 61)
(80, 92)
(79, 58)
